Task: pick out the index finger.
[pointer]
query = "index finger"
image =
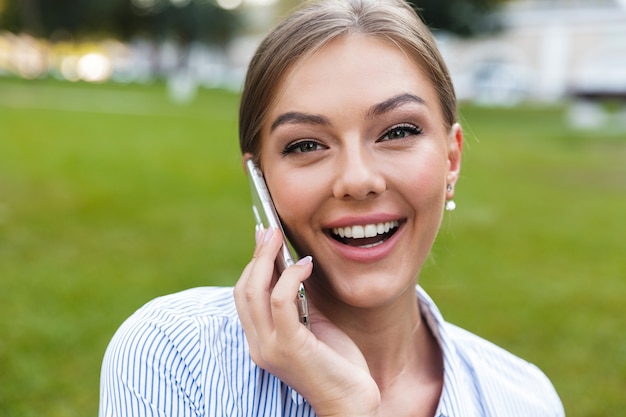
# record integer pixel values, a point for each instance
(258, 285)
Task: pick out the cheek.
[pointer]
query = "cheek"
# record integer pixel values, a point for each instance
(295, 199)
(425, 179)
(297, 205)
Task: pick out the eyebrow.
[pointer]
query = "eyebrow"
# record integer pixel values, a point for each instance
(376, 110)
(299, 118)
(393, 103)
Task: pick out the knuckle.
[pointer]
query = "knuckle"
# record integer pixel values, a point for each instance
(250, 294)
(278, 302)
(284, 353)
(272, 356)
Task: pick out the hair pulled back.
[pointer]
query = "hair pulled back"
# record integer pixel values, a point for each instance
(310, 28)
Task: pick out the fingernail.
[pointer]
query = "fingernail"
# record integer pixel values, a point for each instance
(305, 260)
(268, 235)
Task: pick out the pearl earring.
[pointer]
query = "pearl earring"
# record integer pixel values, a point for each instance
(450, 204)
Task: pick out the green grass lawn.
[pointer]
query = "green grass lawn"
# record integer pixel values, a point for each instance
(110, 196)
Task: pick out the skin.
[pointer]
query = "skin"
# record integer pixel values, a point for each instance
(355, 137)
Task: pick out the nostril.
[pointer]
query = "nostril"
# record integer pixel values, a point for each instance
(359, 187)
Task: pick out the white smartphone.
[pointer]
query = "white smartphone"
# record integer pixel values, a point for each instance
(266, 217)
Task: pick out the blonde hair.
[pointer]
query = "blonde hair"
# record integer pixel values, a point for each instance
(310, 28)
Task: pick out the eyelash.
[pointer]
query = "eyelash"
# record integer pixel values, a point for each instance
(298, 147)
(406, 129)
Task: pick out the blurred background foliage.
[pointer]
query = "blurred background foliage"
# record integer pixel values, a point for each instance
(193, 19)
(140, 40)
(113, 193)
(184, 19)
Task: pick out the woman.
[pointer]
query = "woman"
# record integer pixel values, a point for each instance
(349, 110)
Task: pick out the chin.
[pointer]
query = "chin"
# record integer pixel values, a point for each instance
(362, 289)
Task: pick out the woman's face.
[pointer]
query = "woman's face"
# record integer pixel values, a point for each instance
(357, 159)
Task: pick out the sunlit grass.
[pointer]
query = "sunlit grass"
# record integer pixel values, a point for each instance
(110, 196)
(533, 258)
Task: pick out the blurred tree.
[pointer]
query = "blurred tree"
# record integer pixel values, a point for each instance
(183, 19)
(200, 19)
(462, 17)
(194, 20)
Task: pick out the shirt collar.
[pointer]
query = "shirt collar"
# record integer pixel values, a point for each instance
(455, 400)
(456, 396)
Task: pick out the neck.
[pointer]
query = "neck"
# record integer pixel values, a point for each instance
(392, 354)
(392, 338)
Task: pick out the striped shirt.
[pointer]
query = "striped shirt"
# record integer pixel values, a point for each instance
(185, 354)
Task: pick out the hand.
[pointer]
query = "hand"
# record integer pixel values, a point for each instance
(324, 365)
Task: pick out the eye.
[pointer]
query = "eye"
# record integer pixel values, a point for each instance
(401, 131)
(303, 146)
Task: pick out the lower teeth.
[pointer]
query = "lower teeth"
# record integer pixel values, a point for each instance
(371, 245)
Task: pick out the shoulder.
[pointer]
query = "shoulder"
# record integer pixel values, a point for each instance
(160, 356)
(179, 322)
(194, 302)
(178, 318)
(504, 381)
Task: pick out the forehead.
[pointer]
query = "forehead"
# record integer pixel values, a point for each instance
(352, 70)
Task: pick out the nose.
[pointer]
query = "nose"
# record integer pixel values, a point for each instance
(358, 177)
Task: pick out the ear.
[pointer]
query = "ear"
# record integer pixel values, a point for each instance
(455, 146)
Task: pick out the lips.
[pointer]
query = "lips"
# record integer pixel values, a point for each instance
(365, 235)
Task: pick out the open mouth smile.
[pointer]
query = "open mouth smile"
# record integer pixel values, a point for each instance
(365, 236)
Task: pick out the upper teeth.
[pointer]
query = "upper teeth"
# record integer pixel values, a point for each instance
(365, 230)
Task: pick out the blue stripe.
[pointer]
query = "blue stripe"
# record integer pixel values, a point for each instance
(186, 355)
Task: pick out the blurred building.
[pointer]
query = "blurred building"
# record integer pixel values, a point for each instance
(548, 50)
